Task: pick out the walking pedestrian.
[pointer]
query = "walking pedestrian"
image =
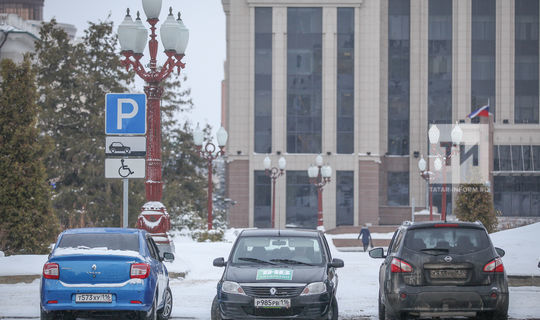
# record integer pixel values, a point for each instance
(366, 237)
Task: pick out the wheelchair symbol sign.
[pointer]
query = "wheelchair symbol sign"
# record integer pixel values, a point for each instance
(125, 113)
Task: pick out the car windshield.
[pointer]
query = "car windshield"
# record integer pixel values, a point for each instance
(446, 240)
(107, 241)
(278, 250)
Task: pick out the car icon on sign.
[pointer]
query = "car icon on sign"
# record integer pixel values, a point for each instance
(119, 147)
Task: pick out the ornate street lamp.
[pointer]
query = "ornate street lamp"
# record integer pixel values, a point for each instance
(133, 36)
(274, 173)
(209, 153)
(319, 176)
(441, 159)
(427, 175)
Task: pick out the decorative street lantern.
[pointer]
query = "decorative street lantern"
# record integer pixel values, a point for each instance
(133, 37)
(319, 176)
(274, 173)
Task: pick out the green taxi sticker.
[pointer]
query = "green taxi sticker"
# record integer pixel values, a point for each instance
(274, 274)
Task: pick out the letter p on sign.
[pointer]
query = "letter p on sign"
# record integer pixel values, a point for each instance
(125, 114)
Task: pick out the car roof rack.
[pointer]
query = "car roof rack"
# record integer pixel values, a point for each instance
(407, 223)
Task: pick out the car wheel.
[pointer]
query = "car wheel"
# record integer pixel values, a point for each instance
(214, 313)
(46, 315)
(492, 316)
(333, 311)
(151, 314)
(382, 309)
(165, 312)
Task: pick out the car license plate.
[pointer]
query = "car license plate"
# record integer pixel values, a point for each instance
(448, 274)
(93, 298)
(272, 303)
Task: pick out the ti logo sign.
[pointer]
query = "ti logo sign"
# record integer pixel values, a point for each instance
(125, 113)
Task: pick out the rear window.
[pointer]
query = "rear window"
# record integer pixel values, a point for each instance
(454, 240)
(104, 241)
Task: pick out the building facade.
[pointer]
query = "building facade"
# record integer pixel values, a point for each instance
(361, 82)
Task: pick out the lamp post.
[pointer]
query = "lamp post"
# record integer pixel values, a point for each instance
(274, 173)
(208, 152)
(434, 134)
(133, 36)
(426, 175)
(319, 176)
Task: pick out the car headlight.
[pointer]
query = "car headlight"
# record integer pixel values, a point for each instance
(314, 288)
(232, 287)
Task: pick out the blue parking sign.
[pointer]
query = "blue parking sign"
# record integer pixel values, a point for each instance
(125, 113)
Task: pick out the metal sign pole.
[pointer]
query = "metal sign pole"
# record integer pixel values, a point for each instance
(125, 206)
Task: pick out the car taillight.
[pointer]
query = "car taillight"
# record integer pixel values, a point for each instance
(51, 271)
(400, 266)
(494, 266)
(139, 271)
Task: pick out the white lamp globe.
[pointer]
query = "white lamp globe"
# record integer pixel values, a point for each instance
(326, 171)
(198, 136)
(127, 34)
(437, 164)
(141, 35)
(313, 172)
(319, 160)
(152, 8)
(434, 134)
(169, 32)
(183, 37)
(267, 163)
(456, 134)
(422, 164)
(282, 163)
(222, 137)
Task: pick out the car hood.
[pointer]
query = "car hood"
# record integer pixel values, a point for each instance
(274, 274)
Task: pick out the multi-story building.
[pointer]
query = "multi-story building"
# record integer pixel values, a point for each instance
(20, 21)
(361, 82)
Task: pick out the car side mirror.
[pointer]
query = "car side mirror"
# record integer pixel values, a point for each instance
(219, 262)
(168, 257)
(500, 252)
(336, 263)
(377, 253)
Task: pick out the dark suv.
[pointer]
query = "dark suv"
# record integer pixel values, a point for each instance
(278, 274)
(437, 269)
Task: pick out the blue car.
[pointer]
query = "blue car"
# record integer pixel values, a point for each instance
(106, 272)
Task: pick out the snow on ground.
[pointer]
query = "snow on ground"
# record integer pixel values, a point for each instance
(522, 246)
(357, 290)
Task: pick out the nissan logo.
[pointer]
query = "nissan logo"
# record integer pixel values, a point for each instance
(273, 291)
(448, 259)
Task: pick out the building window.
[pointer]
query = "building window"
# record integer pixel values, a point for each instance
(344, 198)
(399, 15)
(517, 195)
(526, 62)
(304, 80)
(398, 189)
(262, 197)
(263, 80)
(440, 62)
(516, 158)
(301, 200)
(483, 55)
(345, 80)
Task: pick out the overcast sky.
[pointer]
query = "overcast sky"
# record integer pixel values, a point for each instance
(205, 53)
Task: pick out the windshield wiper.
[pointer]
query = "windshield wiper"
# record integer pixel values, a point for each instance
(255, 260)
(291, 261)
(435, 250)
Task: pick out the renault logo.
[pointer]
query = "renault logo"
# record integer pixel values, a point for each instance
(93, 273)
(448, 259)
(273, 291)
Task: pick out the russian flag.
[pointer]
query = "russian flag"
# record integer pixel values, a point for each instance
(482, 112)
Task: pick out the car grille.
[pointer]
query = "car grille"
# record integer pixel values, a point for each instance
(264, 292)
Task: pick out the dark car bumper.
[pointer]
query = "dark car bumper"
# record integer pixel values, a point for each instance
(450, 300)
(233, 306)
